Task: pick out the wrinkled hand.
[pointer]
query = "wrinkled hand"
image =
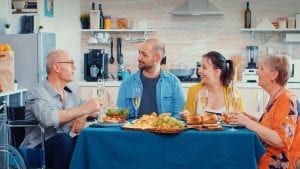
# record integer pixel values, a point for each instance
(78, 124)
(239, 119)
(92, 106)
(184, 114)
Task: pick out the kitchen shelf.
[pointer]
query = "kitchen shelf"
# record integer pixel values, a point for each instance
(264, 35)
(270, 30)
(117, 30)
(128, 38)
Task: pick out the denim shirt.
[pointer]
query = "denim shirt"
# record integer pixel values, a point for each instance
(169, 93)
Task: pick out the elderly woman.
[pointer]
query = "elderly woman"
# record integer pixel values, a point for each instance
(216, 74)
(277, 126)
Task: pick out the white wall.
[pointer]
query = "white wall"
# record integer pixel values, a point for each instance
(65, 23)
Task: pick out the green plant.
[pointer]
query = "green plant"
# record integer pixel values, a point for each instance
(85, 20)
(85, 17)
(7, 25)
(15, 81)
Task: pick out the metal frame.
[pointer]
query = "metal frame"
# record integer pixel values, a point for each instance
(23, 123)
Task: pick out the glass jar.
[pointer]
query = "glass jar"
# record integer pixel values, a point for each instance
(282, 22)
(107, 22)
(122, 23)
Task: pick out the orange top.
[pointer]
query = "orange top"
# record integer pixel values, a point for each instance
(281, 116)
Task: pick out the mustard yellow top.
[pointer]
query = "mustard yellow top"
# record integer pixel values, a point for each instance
(191, 103)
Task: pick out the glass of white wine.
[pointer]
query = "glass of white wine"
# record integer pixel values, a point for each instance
(203, 97)
(136, 100)
(101, 95)
(232, 107)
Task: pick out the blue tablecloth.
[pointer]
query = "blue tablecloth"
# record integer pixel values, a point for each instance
(114, 148)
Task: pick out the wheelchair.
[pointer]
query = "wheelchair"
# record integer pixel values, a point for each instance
(20, 158)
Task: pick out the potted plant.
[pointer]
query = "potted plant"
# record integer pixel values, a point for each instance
(6, 28)
(85, 20)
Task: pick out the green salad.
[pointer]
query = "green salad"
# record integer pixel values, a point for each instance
(120, 112)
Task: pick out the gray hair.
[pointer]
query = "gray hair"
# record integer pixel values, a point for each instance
(279, 63)
(52, 58)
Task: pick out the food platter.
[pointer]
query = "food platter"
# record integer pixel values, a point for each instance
(232, 125)
(103, 124)
(213, 127)
(154, 130)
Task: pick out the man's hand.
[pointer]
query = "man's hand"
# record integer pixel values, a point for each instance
(92, 106)
(78, 124)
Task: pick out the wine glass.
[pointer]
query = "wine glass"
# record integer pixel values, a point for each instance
(136, 100)
(203, 97)
(232, 105)
(100, 95)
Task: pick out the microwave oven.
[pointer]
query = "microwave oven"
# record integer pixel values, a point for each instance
(295, 71)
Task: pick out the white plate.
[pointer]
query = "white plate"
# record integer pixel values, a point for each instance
(232, 125)
(108, 124)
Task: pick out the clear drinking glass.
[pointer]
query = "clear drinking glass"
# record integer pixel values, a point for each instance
(136, 100)
(232, 103)
(101, 96)
(203, 97)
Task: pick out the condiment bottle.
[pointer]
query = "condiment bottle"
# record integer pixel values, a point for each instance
(107, 22)
(247, 19)
(101, 19)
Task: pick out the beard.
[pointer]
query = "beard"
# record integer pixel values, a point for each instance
(144, 66)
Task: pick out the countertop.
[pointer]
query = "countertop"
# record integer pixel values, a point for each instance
(184, 84)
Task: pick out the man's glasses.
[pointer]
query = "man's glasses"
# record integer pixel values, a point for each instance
(69, 62)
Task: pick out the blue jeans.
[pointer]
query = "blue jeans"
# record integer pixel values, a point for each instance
(59, 150)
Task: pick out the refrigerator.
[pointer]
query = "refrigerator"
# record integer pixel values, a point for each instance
(30, 52)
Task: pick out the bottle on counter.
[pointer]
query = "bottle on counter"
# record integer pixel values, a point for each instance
(101, 19)
(247, 18)
(94, 17)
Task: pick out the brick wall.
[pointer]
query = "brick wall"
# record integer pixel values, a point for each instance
(187, 38)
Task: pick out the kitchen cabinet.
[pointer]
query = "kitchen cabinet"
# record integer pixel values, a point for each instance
(254, 97)
(263, 35)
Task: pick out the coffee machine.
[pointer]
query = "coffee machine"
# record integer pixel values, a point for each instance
(249, 74)
(95, 65)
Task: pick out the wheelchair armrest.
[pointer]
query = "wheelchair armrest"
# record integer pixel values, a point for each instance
(22, 123)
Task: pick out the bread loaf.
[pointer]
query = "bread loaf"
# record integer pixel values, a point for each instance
(194, 119)
(210, 119)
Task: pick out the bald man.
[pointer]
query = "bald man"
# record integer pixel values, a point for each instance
(59, 109)
(161, 90)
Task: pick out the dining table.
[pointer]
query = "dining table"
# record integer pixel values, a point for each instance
(116, 148)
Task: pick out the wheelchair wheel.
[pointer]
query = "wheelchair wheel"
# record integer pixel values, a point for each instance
(14, 157)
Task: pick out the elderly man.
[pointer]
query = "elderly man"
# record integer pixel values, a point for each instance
(161, 90)
(59, 109)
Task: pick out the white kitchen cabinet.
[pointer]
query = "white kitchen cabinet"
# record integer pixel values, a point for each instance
(254, 97)
(253, 100)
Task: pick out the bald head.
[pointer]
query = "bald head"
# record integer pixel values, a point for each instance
(157, 46)
(53, 57)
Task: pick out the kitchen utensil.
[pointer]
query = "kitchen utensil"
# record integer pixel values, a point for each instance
(119, 51)
(183, 72)
(111, 59)
(94, 71)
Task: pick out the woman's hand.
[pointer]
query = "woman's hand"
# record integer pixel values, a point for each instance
(240, 119)
(184, 114)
